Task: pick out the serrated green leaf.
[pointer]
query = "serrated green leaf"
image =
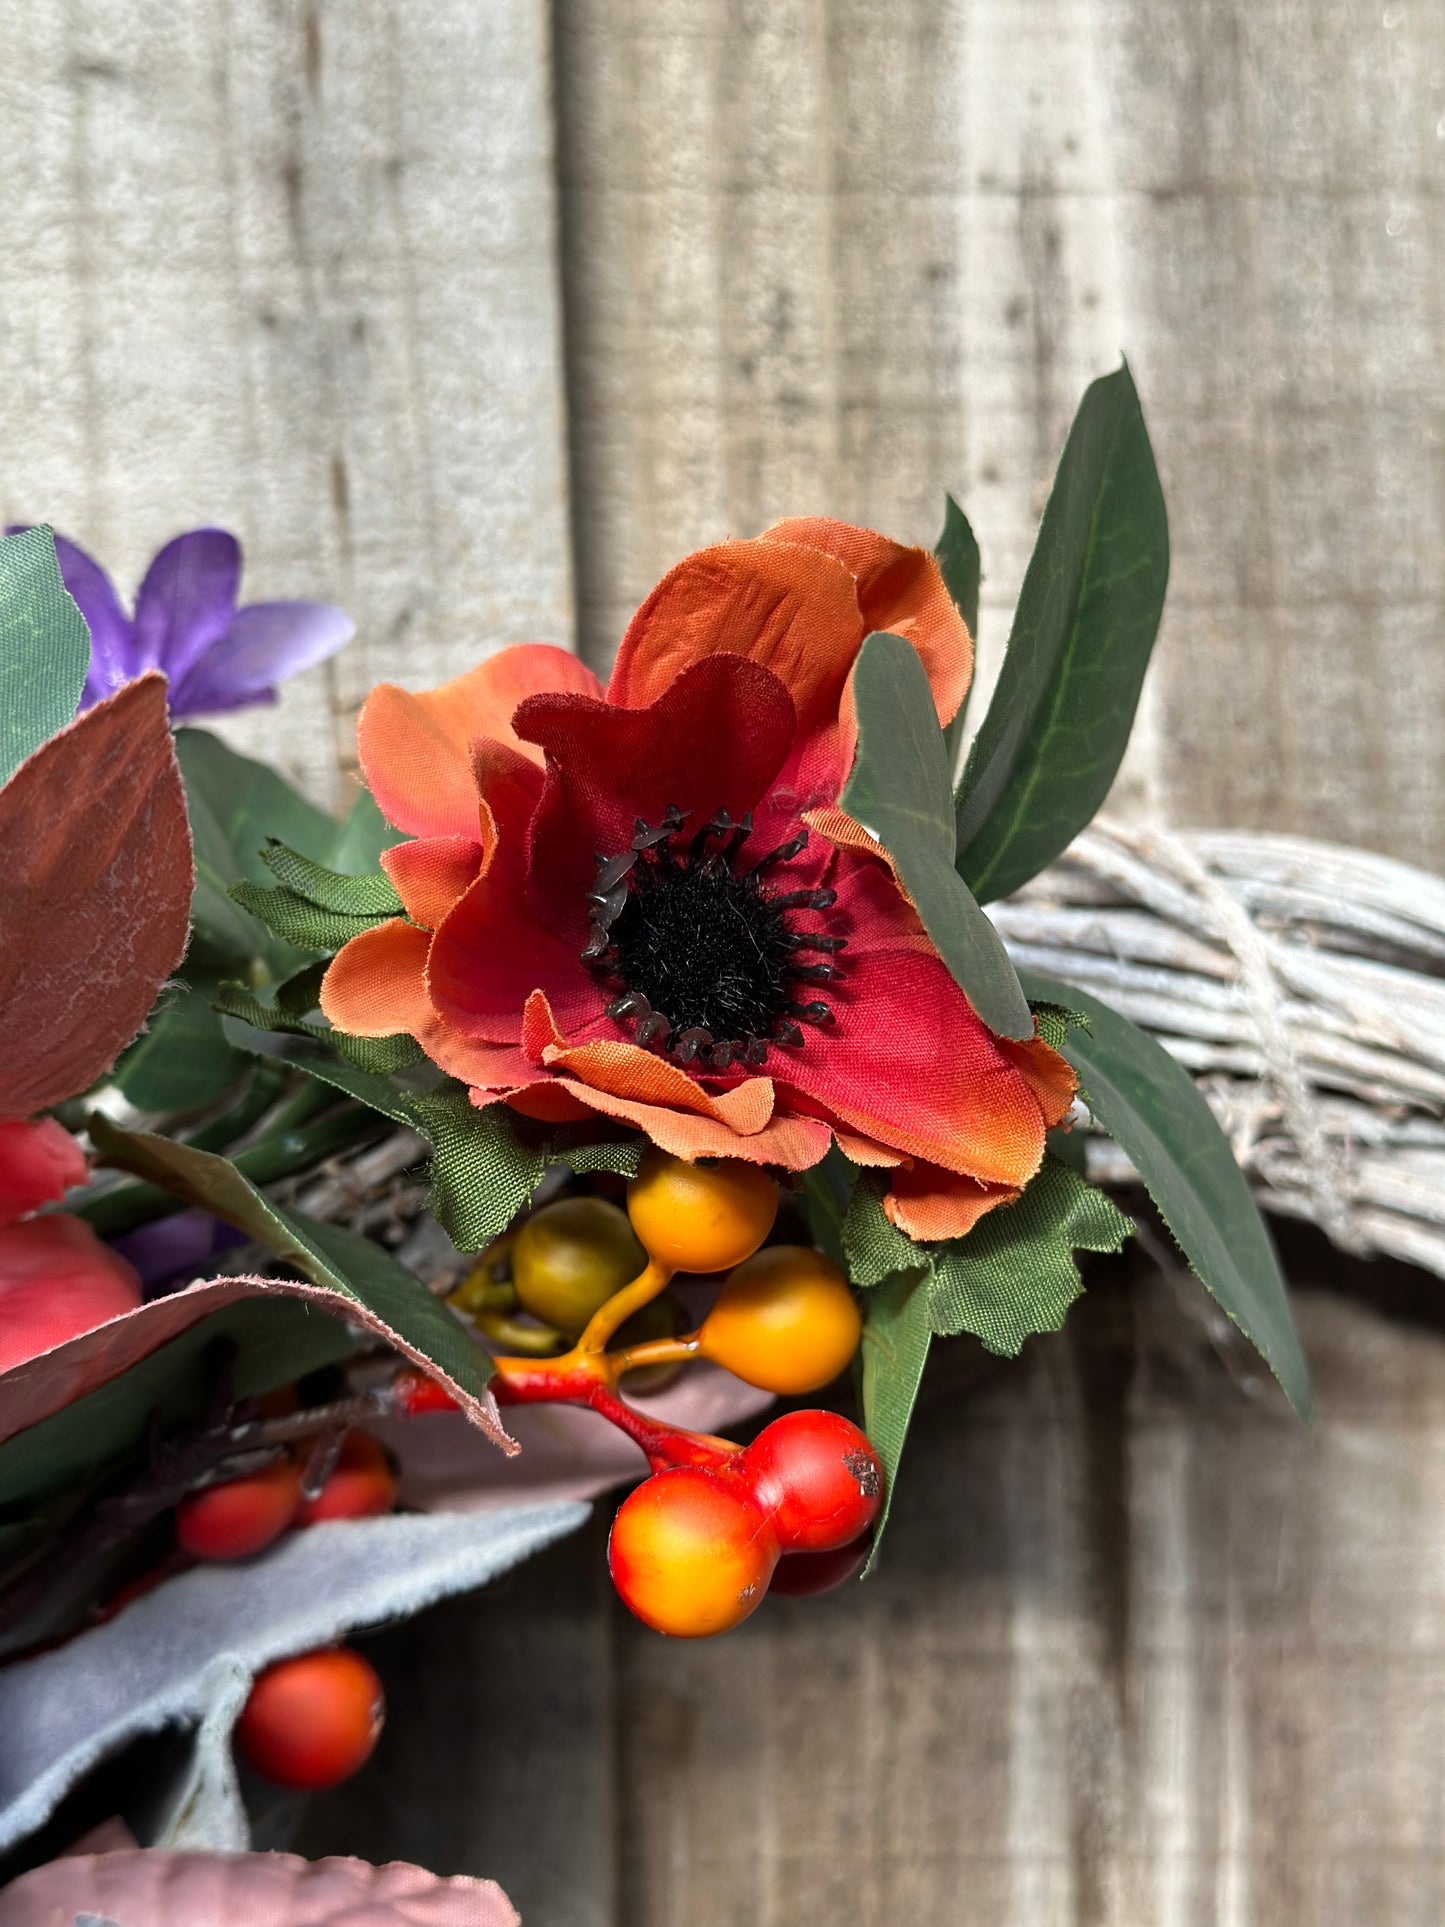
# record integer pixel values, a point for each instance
(896, 1338)
(1014, 1274)
(297, 922)
(482, 1171)
(370, 896)
(961, 567)
(342, 1260)
(182, 1061)
(44, 647)
(873, 1247)
(238, 1001)
(899, 789)
(1150, 1105)
(1056, 729)
(1053, 1023)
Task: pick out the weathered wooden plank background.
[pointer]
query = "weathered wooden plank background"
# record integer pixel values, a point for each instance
(475, 315)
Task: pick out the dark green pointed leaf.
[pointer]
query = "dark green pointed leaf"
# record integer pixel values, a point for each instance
(961, 567)
(296, 921)
(1014, 1274)
(1061, 713)
(896, 1337)
(369, 896)
(343, 1261)
(44, 647)
(1149, 1104)
(182, 1061)
(899, 790)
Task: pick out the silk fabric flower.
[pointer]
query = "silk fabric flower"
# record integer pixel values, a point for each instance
(643, 904)
(216, 656)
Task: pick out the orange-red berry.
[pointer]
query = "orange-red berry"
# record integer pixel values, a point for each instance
(362, 1484)
(700, 1217)
(784, 1320)
(817, 1477)
(800, 1575)
(231, 1521)
(691, 1551)
(312, 1721)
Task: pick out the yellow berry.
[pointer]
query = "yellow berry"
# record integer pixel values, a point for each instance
(571, 1257)
(785, 1321)
(701, 1217)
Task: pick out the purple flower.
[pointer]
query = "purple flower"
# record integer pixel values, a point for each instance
(186, 622)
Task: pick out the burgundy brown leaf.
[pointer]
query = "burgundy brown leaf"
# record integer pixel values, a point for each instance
(95, 895)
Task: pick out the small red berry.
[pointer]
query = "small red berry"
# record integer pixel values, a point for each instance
(412, 1393)
(312, 1721)
(818, 1478)
(691, 1551)
(361, 1486)
(231, 1521)
(800, 1575)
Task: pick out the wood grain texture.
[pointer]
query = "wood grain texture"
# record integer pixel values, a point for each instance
(291, 268)
(837, 257)
(1140, 1648)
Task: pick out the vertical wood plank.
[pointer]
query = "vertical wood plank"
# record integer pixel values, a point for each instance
(835, 258)
(292, 268)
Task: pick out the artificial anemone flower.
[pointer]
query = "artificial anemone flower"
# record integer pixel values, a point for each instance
(643, 904)
(217, 656)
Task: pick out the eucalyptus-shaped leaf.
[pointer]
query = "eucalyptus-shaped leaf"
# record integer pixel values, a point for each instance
(1150, 1105)
(897, 1332)
(1056, 729)
(961, 567)
(44, 647)
(900, 791)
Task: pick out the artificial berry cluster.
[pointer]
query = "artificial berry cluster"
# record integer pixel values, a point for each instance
(696, 1546)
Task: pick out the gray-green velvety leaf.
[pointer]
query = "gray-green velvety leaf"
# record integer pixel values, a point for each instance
(899, 789)
(961, 567)
(896, 1337)
(1062, 709)
(1149, 1104)
(1014, 1274)
(44, 647)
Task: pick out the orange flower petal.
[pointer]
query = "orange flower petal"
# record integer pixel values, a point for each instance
(793, 610)
(1050, 1077)
(863, 1150)
(375, 985)
(431, 873)
(899, 589)
(627, 1071)
(794, 1142)
(927, 1202)
(415, 749)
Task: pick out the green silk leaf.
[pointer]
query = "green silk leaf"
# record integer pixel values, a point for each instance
(182, 1061)
(44, 647)
(1014, 1274)
(370, 895)
(1051, 743)
(896, 1336)
(899, 790)
(296, 920)
(1150, 1106)
(361, 837)
(959, 563)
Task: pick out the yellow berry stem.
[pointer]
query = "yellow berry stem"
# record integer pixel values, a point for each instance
(621, 1305)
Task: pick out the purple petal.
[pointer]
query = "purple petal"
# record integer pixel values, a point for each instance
(176, 1249)
(266, 642)
(186, 601)
(112, 652)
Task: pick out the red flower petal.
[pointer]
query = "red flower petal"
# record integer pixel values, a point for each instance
(416, 749)
(490, 953)
(431, 873)
(715, 738)
(39, 1162)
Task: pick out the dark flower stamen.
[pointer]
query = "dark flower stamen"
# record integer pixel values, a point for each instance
(704, 949)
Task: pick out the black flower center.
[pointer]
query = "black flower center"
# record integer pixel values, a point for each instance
(704, 944)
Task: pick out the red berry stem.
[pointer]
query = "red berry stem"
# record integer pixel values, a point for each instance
(586, 1378)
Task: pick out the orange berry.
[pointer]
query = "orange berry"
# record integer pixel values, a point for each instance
(362, 1484)
(691, 1552)
(818, 1479)
(312, 1721)
(233, 1520)
(701, 1217)
(571, 1257)
(785, 1321)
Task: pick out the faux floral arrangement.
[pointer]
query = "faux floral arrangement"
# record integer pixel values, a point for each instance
(706, 943)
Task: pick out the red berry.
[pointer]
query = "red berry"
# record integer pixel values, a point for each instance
(231, 1521)
(818, 1478)
(800, 1575)
(691, 1552)
(412, 1393)
(362, 1484)
(312, 1721)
